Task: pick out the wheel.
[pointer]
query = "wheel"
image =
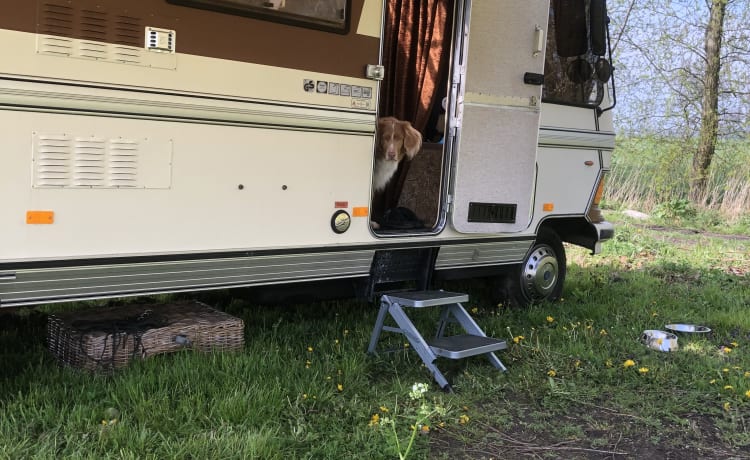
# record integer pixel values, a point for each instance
(541, 275)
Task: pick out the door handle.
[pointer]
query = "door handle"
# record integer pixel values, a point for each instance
(531, 78)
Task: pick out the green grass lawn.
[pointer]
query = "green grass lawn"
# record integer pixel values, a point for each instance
(579, 382)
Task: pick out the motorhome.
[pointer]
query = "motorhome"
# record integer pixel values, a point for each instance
(159, 146)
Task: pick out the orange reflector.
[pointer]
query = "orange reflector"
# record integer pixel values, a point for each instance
(360, 211)
(548, 207)
(599, 191)
(40, 217)
(340, 204)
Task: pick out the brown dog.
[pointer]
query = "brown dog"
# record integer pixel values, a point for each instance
(396, 139)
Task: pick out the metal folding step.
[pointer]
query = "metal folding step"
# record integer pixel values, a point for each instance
(473, 343)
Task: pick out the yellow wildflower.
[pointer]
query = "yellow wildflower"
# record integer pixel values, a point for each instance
(304, 395)
(725, 370)
(551, 373)
(608, 363)
(712, 381)
(628, 363)
(473, 310)
(727, 406)
(550, 319)
(643, 370)
(340, 387)
(384, 409)
(747, 394)
(728, 387)
(735, 344)
(747, 373)
(309, 349)
(425, 429)
(346, 332)
(518, 338)
(374, 420)
(463, 419)
(603, 332)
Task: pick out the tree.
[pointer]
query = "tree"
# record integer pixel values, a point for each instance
(710, 105)
(683, 71)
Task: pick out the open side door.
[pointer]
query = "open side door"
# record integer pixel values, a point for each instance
(498, 83)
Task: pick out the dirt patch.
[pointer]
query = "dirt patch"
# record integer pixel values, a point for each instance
(592, 432)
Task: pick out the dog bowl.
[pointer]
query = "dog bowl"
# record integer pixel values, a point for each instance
(659, 340)
(689, 328)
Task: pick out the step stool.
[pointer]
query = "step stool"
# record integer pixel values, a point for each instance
(474, 342)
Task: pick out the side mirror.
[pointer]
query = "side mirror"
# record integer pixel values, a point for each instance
(603, 70)
(598, 22)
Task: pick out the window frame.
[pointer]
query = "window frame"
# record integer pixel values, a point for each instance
(229, 7)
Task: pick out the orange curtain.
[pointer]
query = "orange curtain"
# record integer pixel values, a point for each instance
(415, 51)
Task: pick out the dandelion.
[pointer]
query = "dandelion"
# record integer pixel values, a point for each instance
(734, 344)
(442, 424)
(603, 332)
(307, 364)
(725, 370)
(304, 395)
(340, 387)
(712, 381)
(463, 419)
(551, 373)
(374, 420)
(424, 429)
(628, 363)
(727, 406)
(577, 364)
(728, 387)
(550, 319)
(518, 338)
(654, 314)
(384, 409)
(747, 394)
(474, 310)
(336, 341)
(309, 349)
(608, 363)
(346, 332)
(747, 374)
(726, 350)
(643, 370)
(406, 344)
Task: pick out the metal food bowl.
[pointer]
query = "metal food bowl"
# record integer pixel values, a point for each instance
(689, 328)
(659, 340)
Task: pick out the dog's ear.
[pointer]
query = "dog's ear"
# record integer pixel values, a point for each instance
(412, 140)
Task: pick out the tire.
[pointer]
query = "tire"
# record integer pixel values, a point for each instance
(541, 275)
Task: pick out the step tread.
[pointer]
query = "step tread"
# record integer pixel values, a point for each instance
(465, 345)
(421, 299)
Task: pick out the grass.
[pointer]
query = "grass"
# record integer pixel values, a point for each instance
(653, 175)
(303, 387)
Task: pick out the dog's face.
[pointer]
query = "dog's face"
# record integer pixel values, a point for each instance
(397, 139)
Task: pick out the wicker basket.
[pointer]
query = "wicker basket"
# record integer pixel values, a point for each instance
(107, 339)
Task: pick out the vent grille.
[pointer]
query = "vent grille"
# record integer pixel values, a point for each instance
(52, 161)
(493, 213)
(85, 162)
(90, 23)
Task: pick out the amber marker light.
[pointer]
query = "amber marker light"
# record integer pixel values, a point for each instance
(40, 217)
(548, 207)
(360, 211)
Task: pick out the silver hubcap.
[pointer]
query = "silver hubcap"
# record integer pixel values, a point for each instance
(540, 273)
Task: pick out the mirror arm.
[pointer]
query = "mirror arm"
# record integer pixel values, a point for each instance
(599, 110)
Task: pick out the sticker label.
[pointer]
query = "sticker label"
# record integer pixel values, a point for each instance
(308, 85)
(360, 104)
(346, 90)
(367, 92)
(322, 86)
(333, 88)
(356, 91)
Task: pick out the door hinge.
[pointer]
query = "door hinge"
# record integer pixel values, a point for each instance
(375, 72)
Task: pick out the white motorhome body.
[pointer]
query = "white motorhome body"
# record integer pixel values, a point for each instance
(184, 145)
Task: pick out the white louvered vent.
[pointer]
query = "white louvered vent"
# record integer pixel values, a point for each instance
(92, 50)
(51, 159)
(127, 54)
(123, 163)
(61, 46)
(89, 162)
(101, 162)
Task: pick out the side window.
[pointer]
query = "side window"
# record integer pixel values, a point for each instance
(570, 67)
(329, 15)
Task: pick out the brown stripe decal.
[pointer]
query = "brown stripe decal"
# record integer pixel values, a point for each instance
(199, 32)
